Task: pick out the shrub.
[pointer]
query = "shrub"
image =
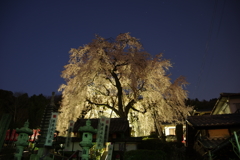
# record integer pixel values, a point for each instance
(166, 150)
(156, 144)
(145, 155)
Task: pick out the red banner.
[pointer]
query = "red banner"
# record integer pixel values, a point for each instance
(34, 136)
(12, 135)
(15, 137)
(7, 135)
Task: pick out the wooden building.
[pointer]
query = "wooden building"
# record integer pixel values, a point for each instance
(119, 136)
(210, 135)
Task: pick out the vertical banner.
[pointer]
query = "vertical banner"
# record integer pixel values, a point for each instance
(110, 151)
(102, 132)
(51, 129)
(13, 135)
(32, 137)
(107, 127)
(70, 129)
(7, 135)
(37, 134)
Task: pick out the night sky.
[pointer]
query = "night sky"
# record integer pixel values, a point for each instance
(200, 37)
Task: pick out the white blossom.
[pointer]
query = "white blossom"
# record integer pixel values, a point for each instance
(119, 76)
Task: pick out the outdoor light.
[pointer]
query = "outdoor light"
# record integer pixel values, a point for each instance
(61, 145)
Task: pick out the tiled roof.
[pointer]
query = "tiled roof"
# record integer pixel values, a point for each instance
(229, 94)
(214, 121)
(117, 125)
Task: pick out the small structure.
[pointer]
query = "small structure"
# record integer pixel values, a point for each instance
(211, 135)
(22, 141)
(86, 143)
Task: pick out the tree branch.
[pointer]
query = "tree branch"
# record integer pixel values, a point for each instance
(181, 113)
(119, 91)
(106, 105)
(130, 106)
(105, 94)
(110, 81)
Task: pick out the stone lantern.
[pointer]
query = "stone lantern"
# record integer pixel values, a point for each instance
(86, 142)
(22, 140)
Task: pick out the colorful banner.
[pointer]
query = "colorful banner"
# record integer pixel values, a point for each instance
(35, 135)
(7, 135)
(15, 137)
(51, 129)
(32, 137)
(12, 136)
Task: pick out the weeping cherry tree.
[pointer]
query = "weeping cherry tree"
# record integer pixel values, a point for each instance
(117, 75)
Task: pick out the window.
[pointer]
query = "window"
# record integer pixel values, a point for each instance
(171, 131)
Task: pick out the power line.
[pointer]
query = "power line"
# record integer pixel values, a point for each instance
(211, 58)
(206, 47)
(220, 23)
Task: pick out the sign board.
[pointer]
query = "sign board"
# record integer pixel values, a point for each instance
(68, 138)
(110, 151)
(51, 129)
(102, 132)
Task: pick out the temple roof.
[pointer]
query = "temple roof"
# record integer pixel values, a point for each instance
(117, 125)
(214, 121)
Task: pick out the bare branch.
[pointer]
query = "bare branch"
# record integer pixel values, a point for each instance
(103, 104)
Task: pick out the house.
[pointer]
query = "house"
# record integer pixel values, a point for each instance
(214, 135)
(169, 131)
(227, 103)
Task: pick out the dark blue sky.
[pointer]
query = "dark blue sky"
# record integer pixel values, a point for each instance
(200, 37)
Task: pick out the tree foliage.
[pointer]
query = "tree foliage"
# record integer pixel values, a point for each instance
(201, 105)
(22, 107)
(14, 104)
(120, 76)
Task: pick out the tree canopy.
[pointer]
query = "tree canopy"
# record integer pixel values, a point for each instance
(117, 74)
(22, 107)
